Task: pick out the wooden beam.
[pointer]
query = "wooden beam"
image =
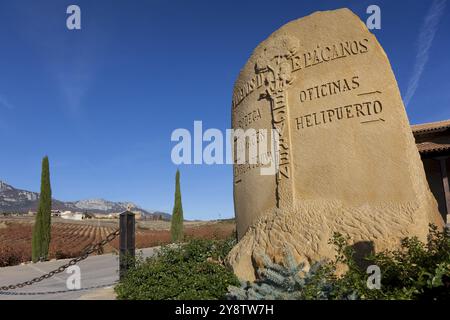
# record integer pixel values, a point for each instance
(445, 182)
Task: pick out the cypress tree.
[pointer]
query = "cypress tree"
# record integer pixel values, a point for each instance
(176, 228)
(42, 225)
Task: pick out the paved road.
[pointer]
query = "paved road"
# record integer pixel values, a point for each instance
(100, 270)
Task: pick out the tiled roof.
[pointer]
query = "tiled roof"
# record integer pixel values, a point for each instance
(425, 147)
(433, 143)
(431, 126)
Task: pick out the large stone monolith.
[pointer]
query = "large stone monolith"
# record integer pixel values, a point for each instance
(347, 161)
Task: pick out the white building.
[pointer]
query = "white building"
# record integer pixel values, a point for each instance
(56, 213)
(73, 215)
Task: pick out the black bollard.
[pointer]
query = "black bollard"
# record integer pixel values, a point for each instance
(127, 242)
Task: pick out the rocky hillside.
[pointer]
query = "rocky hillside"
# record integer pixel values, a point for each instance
(14, 200)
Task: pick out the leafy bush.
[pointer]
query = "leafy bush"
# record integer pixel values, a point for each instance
(194, 270)
(416, 271)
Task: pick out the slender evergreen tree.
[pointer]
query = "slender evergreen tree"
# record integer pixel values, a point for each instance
(42, 225)
(176, 228)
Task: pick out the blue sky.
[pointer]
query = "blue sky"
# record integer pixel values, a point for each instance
(102, 102)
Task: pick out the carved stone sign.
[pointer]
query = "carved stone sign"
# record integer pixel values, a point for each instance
(347, 157)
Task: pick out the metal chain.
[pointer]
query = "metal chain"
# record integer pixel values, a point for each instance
(89, 250)
(9, 293)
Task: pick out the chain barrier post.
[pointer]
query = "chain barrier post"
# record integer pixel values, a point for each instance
(127, 242)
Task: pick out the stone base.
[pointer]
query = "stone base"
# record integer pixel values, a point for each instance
(306, 231)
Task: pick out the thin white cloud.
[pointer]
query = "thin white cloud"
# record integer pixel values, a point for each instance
(5, 103)
(74, 85)
(71, 57)
(425, 40)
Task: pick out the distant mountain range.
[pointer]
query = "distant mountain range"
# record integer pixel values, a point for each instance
(14, 200)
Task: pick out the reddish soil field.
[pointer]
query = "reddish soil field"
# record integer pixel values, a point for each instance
(68, 240)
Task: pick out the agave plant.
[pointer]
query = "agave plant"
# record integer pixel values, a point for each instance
(287, 281)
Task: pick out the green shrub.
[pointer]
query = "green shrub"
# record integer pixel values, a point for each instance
(416, 271)
(193, 270)
(419, 271)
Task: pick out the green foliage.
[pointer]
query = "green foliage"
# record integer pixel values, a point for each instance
(176, 227)
(416, 271)
(42, 226)
(287, 281)
(193, 270)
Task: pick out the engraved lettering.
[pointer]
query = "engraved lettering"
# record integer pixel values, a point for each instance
(357, 110)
